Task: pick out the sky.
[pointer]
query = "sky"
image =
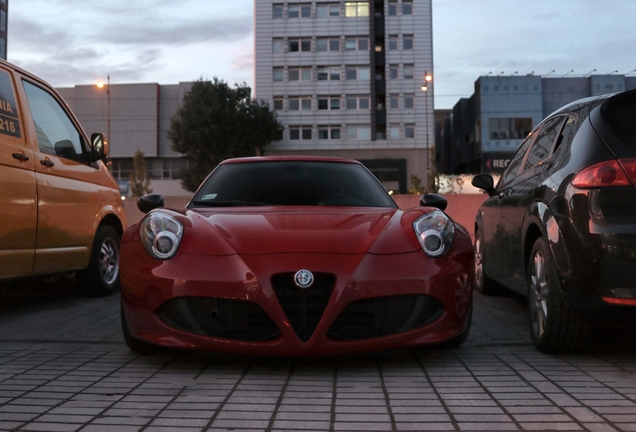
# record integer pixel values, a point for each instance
(69, 42)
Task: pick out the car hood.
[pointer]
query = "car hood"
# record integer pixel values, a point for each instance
(299, 230)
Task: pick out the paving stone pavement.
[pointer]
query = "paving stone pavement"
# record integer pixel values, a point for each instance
(64, 367)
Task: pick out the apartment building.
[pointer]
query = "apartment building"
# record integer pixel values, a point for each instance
(345, 79)
(4, 18)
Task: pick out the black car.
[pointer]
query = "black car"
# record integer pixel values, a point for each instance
(560, 226)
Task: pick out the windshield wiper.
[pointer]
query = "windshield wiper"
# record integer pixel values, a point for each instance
(228, 204)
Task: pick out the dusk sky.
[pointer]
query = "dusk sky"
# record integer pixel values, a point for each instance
(70, 42)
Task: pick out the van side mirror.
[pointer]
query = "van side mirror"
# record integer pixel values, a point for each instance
(149, 202)
(99, 147)
(434, 200)
(484, 182)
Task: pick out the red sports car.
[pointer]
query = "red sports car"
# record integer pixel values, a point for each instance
(295, 256)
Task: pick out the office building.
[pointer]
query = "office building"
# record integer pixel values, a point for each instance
(4, 26)
(346, 77)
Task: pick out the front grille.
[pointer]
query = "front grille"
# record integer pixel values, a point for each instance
(223, 318)
(303, 307)
(383, 316)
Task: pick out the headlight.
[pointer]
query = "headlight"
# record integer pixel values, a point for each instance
(161, 234)
(435, 232)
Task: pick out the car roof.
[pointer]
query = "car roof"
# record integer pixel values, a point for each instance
(289, 159)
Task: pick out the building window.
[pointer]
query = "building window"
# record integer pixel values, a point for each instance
(278, 46)
(509, 128)
(392, 8)
(328, 73)
(408, 71)
(393, 43)
(324, 10)
(300, 132)
(278, 104)
(407, 7)
(357, 73)
(297, 103)
(394, 132)
(358, 102)
(3, 20)
(356, 9)
(360, 44)
(394, 71)
(278, 74)
(328, 132)
(299, 74)
(328, 44)
(329, 102)
(305, 11)
(409, 131)
(394, 101)
(407, 42)
(409, 101)
(277, 12)
(359, 132)
(299, 44)
(293, 11)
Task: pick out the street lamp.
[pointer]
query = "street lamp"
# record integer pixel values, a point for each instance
(428, 80)
(106, 86)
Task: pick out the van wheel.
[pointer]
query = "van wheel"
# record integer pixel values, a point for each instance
(553, 325)
(101, 278)
(134, 344)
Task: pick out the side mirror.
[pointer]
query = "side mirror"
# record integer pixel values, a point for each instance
(485, 182)
(99, 147)
(433, 200)
(149, 202)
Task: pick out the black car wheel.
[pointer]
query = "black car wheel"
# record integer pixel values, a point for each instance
(483, 283)
(554, 327)
(102, 275)
(134, 344)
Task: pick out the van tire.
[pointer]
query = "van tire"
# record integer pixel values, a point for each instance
(101, 278)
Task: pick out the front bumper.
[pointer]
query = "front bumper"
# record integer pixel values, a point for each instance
(148, 285)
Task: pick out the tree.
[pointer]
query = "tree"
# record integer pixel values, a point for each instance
(139, 179)
(416, 185)
(217, 122)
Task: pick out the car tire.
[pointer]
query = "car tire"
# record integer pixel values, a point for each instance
(101, 278)
(483, 284)
(134, 344)
(553, 325)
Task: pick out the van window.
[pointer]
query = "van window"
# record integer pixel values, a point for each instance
(9, 123)
(54, 129)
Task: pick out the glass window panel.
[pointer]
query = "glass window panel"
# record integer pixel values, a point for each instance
(294, 134)
(363, 74)
(306, 104)
(306, 74)
(335, 133)
(363, 44)
(294, 104)
(394, 132)
(352, 73)
(278, 104)
(306, 133)
(323, 133)
(352, 132)
(334, 74)
(323, 74)
(407, 42)
(278, 74)
(277, 11)
(334, 45)
(409, 131)
(364, 132)
(306, 45)
(305, 11)
(351, 10)
(364, 103)
(394, 102)
(322, 11)
(278, 45)
(350, 44)
(292, 11)
(408, 102)
(352, 103)
(293, 74)
(392, 8)
(393, 43)
(407, 8)
(393, 72)
(363, 9)
(335, 104)
(334, 10)
(294, 45)
(323, 104)
(408, 72)
(321, 44)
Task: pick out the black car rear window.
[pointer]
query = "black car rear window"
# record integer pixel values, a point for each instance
(292, 183)
(620, 115)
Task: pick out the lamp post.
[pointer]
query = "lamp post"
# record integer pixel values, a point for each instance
(100, 84)
(428, 80)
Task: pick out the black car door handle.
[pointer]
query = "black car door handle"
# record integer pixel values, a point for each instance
(20, 156)
(47, 162)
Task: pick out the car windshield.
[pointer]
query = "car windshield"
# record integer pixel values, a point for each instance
(291, 183)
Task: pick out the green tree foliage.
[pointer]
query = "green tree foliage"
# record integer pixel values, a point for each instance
(139, 179)
(217, 122)
(416, 185)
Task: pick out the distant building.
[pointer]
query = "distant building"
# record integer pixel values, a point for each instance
(4, 26)
(487, 128)
(345, 79)
(140, 119)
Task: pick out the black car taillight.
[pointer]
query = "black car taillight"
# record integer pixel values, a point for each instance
(610, 173)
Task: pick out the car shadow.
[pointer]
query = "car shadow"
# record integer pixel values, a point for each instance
(36, 292)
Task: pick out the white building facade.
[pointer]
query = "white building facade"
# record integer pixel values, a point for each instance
(345, 79)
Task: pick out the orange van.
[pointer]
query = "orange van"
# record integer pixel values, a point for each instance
(60, 208)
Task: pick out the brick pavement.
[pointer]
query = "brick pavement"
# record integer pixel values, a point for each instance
(64, 367)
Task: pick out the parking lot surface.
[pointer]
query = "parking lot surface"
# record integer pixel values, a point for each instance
(64, 367)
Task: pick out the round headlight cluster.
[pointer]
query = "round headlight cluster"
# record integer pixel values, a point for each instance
(161, 234)
(435, 232)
